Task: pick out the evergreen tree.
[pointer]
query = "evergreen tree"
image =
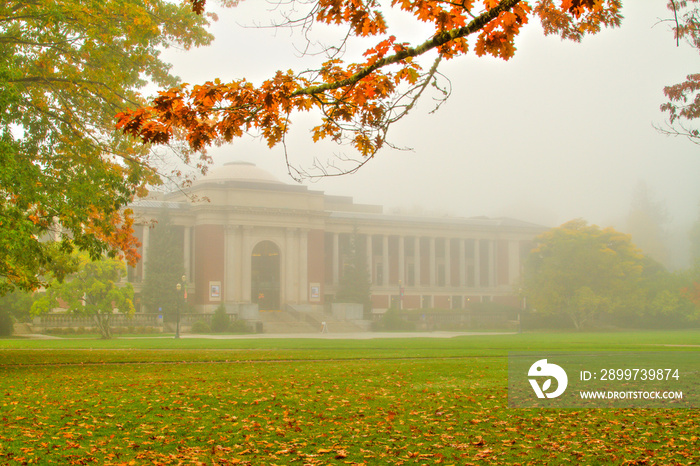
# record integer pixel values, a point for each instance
(220, 322)
(355, 284)
(164, 267)
(647, 222)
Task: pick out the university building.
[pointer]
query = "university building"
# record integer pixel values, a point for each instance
(251, 239)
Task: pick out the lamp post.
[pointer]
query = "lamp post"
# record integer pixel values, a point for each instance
(523, 306)
(180, 286)
(177, 322)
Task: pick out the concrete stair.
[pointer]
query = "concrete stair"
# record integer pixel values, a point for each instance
(293, 321)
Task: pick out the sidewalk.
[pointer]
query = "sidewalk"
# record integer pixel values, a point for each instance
(319, 335)
(345, 336)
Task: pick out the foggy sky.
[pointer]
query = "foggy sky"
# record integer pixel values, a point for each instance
(560, 131)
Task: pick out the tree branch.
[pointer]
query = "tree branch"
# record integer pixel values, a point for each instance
(437, 41)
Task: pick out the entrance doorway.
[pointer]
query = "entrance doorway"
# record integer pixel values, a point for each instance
(265, 276)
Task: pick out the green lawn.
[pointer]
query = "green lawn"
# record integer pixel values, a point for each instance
(288, 401)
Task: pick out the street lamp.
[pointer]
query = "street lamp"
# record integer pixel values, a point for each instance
(177, 324)
(180, 286)
(523, 306)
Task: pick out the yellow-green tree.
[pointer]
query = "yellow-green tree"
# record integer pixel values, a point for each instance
(582, 271)
(94, 290)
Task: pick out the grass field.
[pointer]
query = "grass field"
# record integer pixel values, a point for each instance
(315, 401)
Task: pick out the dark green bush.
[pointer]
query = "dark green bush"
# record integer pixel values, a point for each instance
(392, 321)
(238, 326)
(220, 321)
(201, 327)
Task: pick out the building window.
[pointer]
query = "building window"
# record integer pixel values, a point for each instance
(441, 274)
(379, 274)
(410, 275)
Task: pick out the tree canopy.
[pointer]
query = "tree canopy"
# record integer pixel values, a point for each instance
(683, 104)
(582, 271)
(356, 102)
(66, 68)
(94, 290)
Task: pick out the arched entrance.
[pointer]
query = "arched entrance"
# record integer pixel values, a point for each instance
(265, 276)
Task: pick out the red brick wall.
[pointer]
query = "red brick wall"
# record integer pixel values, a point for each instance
(209, 254)
(441, 302)
(380, 301)
(411, 302)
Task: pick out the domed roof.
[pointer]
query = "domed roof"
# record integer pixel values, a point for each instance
(239, 171)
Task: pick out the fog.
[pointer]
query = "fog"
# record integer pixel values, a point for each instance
(561, 131)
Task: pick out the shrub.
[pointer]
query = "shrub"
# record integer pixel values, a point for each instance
(238, 326)
(6, 323)
(392, 321)
(220, 321)
(200, 327)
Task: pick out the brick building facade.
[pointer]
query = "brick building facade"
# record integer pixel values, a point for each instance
(260, 241)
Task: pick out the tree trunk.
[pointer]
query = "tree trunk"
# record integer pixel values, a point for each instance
(575, 320)
(103, 326)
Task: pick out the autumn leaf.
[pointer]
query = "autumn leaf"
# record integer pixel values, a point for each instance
(357, 102)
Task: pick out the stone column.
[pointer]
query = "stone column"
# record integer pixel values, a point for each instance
(246, 264)
(144, 250)
(513, 262)
(303, 265)
(370, 258)
(432, 261)
(232, 291)
(492, 263)
(448, 262)
(402, 261)
(290, 271)
(462, 264)
(416, 260)
(186, 249)
(385, 260)
(477, 264)
(336, 260)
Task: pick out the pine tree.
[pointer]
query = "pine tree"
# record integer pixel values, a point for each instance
(164, 267)
(355, 284)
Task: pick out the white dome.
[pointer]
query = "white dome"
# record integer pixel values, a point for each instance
(240, 171)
